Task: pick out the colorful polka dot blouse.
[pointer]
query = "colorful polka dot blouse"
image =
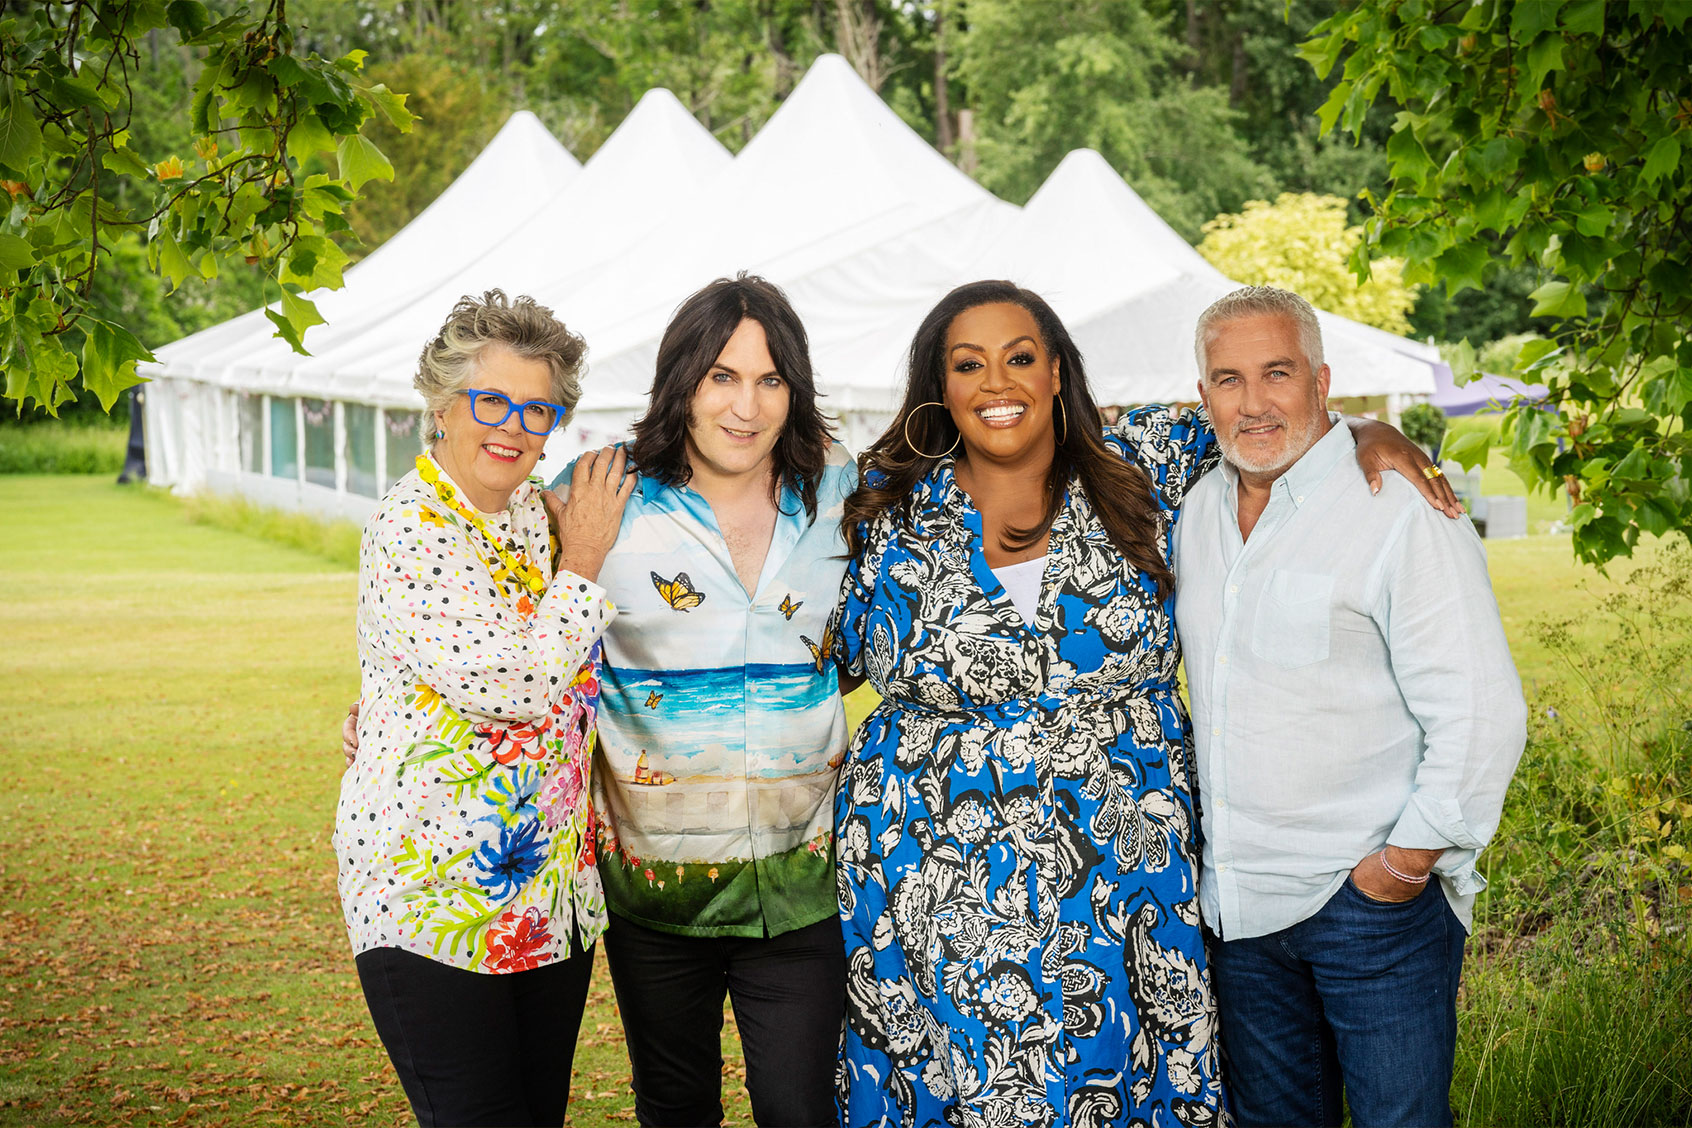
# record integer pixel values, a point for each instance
(464, 831)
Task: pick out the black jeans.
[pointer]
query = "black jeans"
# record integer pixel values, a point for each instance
(789, 995)
(473, 1049)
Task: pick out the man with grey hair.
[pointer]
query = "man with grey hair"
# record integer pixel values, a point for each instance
(1357, 718)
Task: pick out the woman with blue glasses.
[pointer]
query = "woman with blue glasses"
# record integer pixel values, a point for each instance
(464, 834)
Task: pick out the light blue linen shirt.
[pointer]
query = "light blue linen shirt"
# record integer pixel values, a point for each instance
(1351, 687)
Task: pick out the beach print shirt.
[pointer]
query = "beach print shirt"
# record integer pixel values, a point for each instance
(464, 831)
(720, 724)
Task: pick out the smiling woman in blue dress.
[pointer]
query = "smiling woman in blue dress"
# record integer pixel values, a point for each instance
(1015, 822)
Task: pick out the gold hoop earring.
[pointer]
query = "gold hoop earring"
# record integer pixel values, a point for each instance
(1063, 417)
(913, 446)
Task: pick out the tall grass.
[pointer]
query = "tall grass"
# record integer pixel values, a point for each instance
(1558, 1036)
(334, 541)
(1578, 998)
(64, 446)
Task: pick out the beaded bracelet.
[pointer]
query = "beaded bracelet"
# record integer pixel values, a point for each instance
(1404, 877)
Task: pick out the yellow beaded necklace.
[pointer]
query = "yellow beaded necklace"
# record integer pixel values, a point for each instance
(516, 564)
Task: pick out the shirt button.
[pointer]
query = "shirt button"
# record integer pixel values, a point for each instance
(1233, 589)
(1301, 499)
(1216, 730)
(1221, 659)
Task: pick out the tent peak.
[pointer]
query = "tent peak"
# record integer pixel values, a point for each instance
(524, 131)
(660, 128)
(1084, 184)
(658, 95)
(1087, 170)
(1084, 158)
(834, 124)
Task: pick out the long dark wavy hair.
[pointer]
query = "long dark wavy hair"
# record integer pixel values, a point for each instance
(1119, 491)
(695, 337)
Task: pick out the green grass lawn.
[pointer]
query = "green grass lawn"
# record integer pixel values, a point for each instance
(170, 940)
(171, 948)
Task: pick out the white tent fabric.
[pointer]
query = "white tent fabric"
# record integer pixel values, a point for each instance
(524, 210)
(832, 177)
(656, 157)
(836, 200)
(1130, 290)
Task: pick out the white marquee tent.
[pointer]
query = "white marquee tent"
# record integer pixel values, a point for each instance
(836, 199)
(1130, 290)
(204, 429)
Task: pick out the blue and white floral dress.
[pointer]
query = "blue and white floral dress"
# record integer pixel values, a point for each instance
(1016, 827)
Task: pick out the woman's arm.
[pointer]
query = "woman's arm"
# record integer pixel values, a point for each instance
(1380, 446)
(1175, 446)
(1178, 445)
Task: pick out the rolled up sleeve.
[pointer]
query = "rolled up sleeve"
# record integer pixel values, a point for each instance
(1454, 669)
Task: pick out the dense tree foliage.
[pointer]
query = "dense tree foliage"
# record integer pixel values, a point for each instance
(1004, 88)
(85, 174)
(1549, 134)
(1302, 243)
(1101, 74)
(1202, 105)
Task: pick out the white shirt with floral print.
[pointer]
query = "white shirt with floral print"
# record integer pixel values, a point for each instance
(464, 831)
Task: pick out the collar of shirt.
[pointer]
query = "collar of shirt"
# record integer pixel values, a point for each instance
(653, 491)
(1300, 479)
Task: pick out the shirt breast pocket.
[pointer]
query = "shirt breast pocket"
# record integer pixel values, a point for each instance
(1292, 624)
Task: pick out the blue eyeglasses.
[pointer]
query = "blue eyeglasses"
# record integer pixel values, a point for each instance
(492, 409)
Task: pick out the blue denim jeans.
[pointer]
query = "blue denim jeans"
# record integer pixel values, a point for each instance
(1361, 995)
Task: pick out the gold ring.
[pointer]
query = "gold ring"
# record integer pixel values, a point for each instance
(1430, 472)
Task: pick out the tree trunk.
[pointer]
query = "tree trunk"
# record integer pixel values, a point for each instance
(966, 142)
(1241, 76)
(944, 135)
(1191, 62)
(859, 34)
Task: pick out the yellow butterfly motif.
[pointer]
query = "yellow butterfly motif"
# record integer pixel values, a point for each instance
(653, 698)
(820, 653)
(788, 607)
(679, 592)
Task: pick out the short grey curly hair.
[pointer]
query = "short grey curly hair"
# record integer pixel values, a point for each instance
(448, 363)
(1256, 301)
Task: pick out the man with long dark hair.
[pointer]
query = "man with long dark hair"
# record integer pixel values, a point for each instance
(720, 726)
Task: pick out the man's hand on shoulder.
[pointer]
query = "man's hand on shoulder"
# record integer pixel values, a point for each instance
(349, 735)
(1378, 878)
